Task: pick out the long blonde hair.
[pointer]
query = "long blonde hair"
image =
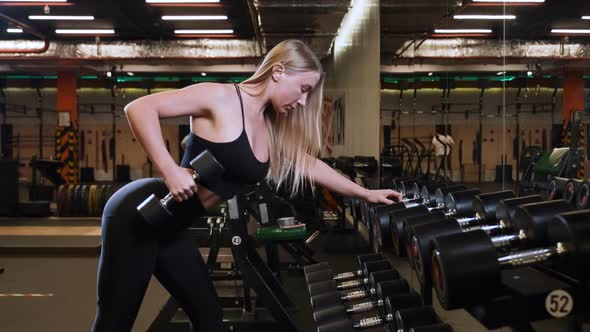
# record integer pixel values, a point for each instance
(295, 135)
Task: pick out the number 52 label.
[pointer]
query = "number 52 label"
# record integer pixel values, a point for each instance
(559, 303)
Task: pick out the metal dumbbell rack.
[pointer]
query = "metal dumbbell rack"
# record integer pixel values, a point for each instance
(254, 273)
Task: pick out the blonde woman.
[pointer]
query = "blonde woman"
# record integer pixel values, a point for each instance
(267, 127)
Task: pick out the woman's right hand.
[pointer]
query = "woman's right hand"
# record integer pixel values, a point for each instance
(180, 182)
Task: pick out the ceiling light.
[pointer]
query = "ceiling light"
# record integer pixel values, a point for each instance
(181, 1)
(462, 31)
(203, 74)
(61, 17)
(14, 30)
(130, 73)
(501, 73)
(193, 17)
(586, 17)
(512, 1)
(572, 31)
(84, 31)
(109, 74)
(529, 73)
(41, 1)
(429, 74)
(484, 17)
(227, 31)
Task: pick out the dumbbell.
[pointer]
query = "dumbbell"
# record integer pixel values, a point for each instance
(332, 298)
(380, 222)
(583, 196)
(206, 171)
(399, 319)
(323, 314)
(571, 188)
(458, 284)
(555, 187)
(320, 284)
(423, 235)
(457, 203)
(323, 266)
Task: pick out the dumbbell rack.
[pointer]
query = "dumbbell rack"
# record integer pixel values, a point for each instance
(528, 297)
(255, 275)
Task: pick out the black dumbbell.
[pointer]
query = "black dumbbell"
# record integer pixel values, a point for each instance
(206, 171)
(555, 187)
(321, 285)
(366, 268)
(571, 188)
(458, 284)
(325, 314)
(329, 299)
(345, 275)
(403, 319)
(457, 203)
(583, 196)
(381, 214)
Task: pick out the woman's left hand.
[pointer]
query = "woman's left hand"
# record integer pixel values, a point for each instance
(382, 196)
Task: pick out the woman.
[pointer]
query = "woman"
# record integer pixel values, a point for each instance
(267, 127)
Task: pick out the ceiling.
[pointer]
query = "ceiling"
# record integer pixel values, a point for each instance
(260, 24)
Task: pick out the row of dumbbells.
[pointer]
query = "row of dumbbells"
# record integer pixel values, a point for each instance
(494, 230)
(336, 299)
(575, 191)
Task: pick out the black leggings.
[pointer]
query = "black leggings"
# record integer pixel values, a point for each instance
(132, 250)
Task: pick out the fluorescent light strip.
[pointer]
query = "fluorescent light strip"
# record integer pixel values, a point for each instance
(61, 17)
(14, 30)
(586, 17)
(41, 1)
(462, 31)
(511, 1)
(484, 17)
(85, 31)
(181, 1)
(193, 17)
(572, 31)
(228, 31)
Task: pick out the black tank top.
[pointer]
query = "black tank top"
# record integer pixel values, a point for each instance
(242, 169)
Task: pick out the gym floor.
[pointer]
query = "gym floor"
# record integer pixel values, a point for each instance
(60, 280)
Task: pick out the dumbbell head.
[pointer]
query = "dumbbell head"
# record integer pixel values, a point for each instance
(402, 301)
(316, 267)
(322, 287)
(392, 287)
(465, 268)
(534, 218)
(378, 276)
(382, 219)
(439, 327)
(583, 196)
(507, 207)
(209, 170)
(342, 325)
(442, 192)
(408, 318)
(408, 229)
(330, 314)
(318, 276)
(422, 245)
(570, 190)
(427, 191)
(396, 226)
(460, 203)
(374, 266)
(325, 300)
(484, 205)
(572, 230)
(555, 187)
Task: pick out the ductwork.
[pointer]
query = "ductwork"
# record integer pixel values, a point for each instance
(194, 49)
(495, 49)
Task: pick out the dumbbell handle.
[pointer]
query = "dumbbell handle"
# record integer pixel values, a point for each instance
(169, 198)
(372, 321)
(348, 275)
(364, 307)
(503, 241)
(532, 256)
(353, 284)
(357, 295)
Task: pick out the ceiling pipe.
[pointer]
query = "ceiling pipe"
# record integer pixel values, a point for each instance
(29, 30)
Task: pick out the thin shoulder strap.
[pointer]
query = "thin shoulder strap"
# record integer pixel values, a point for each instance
(241, 105)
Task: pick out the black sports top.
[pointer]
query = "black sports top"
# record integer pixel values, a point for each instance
(241, 166)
